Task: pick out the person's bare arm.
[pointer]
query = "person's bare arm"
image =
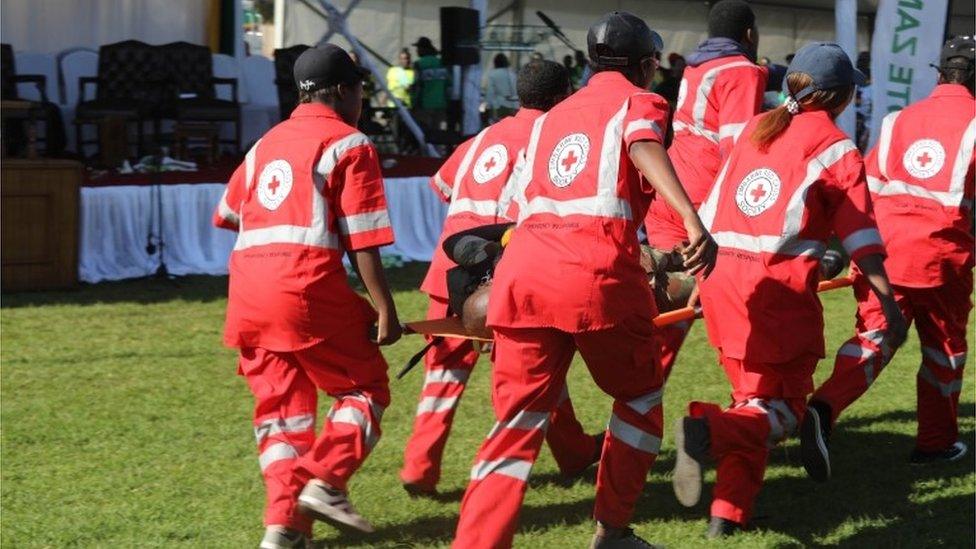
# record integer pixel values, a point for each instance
(652, 160)
(369, 267)
(872, 266)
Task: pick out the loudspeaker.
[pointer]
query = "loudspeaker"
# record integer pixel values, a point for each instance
(460, 33)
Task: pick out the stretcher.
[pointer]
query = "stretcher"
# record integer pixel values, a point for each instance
(452, 327)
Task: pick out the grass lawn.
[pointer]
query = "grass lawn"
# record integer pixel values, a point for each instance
(124, 425)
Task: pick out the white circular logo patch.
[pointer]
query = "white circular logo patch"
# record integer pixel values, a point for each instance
(568, 159)
(274, 184)
(490, 164)
(924, 158)
(757, 192)
(682, 94)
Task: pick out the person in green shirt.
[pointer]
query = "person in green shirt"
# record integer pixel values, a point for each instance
(430, 87)
(399, 79)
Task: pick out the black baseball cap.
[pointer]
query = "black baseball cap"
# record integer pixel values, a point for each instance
(324, 66)
(827, 64)
(956, 47)
(621, 39)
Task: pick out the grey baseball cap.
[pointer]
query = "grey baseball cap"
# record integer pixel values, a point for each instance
(828, 65)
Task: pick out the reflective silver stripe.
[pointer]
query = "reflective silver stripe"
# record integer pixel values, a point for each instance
(777, 429)
(875, 185)
(788, 420)
(942, 359)
(769, 244)
(706, 212)
(884, 141)
(447, 376)
(225, 212)
(705, 89)
(355, 416)
(364, 222)
(510, 467)
(874, 336)
(249, 164)
(965, 154)
(797, 204)
(286, 234)
(523, 421)
(511, 191)
(645, 403)
(334, 152)
(632, 436)
(486, 208)
(466, 163)
(638, 125)
(700, 132)
(606, 183)
(595, 206)
(564, 395)
(855, 351)
(525, 175)
(947, 389)
(897, 187)
(441, 185)
(374, 407)
(860, 239)
(434, 405)
(293, 424)
(276, 452)
(731, 130)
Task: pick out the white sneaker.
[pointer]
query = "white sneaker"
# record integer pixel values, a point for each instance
(323, 502)
(279, 537)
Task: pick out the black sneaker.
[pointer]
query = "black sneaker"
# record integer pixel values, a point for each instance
(815, 440)
(952, 453)
(595, 458)
(719, 527)
(691, 441)
(626, 539)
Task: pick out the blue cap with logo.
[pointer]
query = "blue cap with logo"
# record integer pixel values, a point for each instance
(828, 65)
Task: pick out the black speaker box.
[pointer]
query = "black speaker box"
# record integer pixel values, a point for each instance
(459, 36)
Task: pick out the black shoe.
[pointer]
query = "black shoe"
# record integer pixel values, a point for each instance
(595, 458)
(626, 539)
(719, 527)
(952, 453)
(815, 440)
(691, 441)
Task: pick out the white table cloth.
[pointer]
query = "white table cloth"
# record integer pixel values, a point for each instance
(118, 222)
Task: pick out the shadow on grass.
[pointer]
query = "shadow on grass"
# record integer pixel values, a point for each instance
(197, 288)
(875, 498)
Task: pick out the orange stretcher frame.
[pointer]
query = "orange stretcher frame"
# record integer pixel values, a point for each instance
(452, 327)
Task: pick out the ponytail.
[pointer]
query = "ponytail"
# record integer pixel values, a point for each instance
(772, 124)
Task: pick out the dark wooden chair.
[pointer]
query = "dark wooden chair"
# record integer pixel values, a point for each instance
(15, 136)
(130, 84)
(284, 63)
(191, 89)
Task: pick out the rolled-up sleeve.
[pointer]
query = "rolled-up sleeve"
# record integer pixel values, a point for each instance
(359, 201)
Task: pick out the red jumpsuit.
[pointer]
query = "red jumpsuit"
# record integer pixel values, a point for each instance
(571, 280)
(715, 101)
(308, 191)
(771, 215)
(475, 182)
(921, 179)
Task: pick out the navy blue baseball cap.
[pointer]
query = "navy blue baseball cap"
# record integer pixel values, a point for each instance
(828, 65)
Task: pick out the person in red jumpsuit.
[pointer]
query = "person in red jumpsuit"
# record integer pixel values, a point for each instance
(571, 279)
(791, 182)
(308, 192)
(474, 180)
(722, 89)
(921, 178)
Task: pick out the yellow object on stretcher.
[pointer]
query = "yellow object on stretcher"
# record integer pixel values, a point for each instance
(452, 326)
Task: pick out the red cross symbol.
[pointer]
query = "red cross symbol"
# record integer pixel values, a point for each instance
(757, 193)
(490, 164)
(924, 159)
(274, 184)
(569, 161)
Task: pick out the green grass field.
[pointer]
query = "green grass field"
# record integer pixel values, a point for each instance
(124, 425)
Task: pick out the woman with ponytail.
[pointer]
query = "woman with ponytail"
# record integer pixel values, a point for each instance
(792, 181)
